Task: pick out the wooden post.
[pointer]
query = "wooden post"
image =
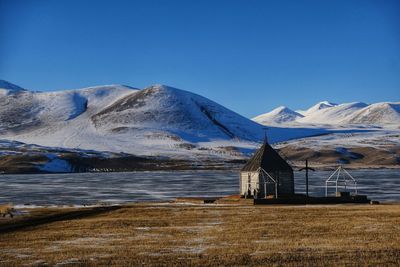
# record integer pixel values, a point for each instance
(307, 178)
(306, 169)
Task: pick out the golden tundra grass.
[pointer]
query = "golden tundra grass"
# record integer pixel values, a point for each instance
(207, 235)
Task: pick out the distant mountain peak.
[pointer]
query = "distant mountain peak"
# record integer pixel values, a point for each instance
(356, 104)
(378, 113)
(281, 108)
(325, 102)
(325, 112)
(322, 105)
(319, 106)
(285, 110)
(161, 87)
(280, 114)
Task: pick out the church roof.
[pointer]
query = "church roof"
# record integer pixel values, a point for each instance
(267, 158)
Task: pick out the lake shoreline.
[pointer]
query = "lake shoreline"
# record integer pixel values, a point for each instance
(197, 201)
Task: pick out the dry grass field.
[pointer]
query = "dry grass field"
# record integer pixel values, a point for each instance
(203, 235)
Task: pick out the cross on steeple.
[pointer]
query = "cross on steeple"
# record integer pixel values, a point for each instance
(265, 134)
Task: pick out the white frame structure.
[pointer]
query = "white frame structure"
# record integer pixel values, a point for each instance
(340, 170)
(265, 175)
(266, 179)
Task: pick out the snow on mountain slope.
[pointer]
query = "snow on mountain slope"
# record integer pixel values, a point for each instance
(319, 106)
(178, 111)
(358, 114)
(24, 111)
(279, 115)
(380, 113)
(156, 121)
(333, 114)
(178, 115)
(18, 110)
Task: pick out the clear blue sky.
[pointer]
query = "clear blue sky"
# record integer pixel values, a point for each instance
(248, 55)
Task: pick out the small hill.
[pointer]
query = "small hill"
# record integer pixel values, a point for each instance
(279, 115)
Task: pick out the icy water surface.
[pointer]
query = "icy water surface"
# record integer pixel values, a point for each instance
(92, 188)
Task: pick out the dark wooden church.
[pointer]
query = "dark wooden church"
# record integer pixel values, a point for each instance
(266, 174)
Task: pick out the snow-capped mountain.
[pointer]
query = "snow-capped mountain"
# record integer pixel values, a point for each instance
(178, 112)
(334, 114)
(319, 106)
(281, 114)
(155, 121)
(379, 113)
(23, 111)
(326, 113)
(76, 129)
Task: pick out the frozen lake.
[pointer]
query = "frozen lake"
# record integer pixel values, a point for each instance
(92, 188)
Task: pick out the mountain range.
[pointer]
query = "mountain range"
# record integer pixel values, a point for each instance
(385, 114)
(126, 128)
(155, 121)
